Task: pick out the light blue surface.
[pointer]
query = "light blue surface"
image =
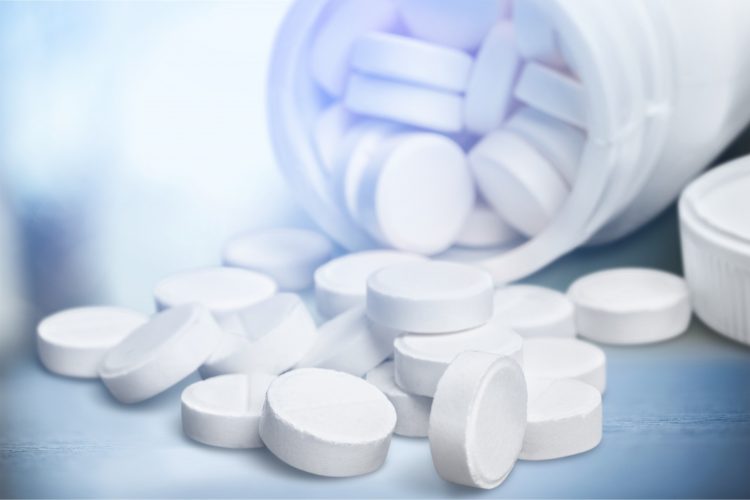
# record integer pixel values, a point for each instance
(676, 424)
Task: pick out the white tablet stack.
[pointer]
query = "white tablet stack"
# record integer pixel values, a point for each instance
(428, 102)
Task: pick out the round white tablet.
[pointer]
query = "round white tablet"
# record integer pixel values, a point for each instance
(74, 341)
(484, 228)
(160, 353)
(490, 89)
(225, 411)
(537, 39)
(360, 146)
(422, 359)
(413, 411)
(410, 60)
(552, 92)
(223, 290)
(416, 193)
(517, 181)
(404, 103)
(327, 422)
(555, 359)
(631, 306)
(329, 133)
(341, 283)
(455, 23)
(430, 296)
(536, 311)
(341, 25)
(350, 343)
(478, 420)
(289, 256)
(269, 337)
(562, 144)
(564, 418)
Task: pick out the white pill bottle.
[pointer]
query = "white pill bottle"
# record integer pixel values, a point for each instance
(667, 88)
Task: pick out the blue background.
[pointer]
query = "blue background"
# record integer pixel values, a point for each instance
(132, 143)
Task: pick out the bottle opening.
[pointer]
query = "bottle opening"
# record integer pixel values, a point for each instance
(492, 130)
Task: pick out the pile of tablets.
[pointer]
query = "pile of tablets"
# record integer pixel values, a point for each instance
(411, 346)
(430, 102)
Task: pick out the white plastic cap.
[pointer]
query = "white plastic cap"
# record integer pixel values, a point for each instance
(715, 234)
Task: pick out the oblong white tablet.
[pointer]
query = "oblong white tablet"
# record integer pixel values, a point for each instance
(536, 311)
(288, 255)
(421, 360)
(564, 418)
(160, 353)
(537, 39)
(350, 343)
(562, 144)
(223, 290)
(430, 296)
(398, 57)
(552, 92)
(341, 283)
(74, 341)
(268, 337)
(556, 359)
(225, 411)
(344, 22)
(484, 228)
(327, 422)
(489, 92)
(404, 103)
(478, 420)
(413, 411)
(631, 306)
(329, 133)
(416, 193)
(517, 181)
(454, 23)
